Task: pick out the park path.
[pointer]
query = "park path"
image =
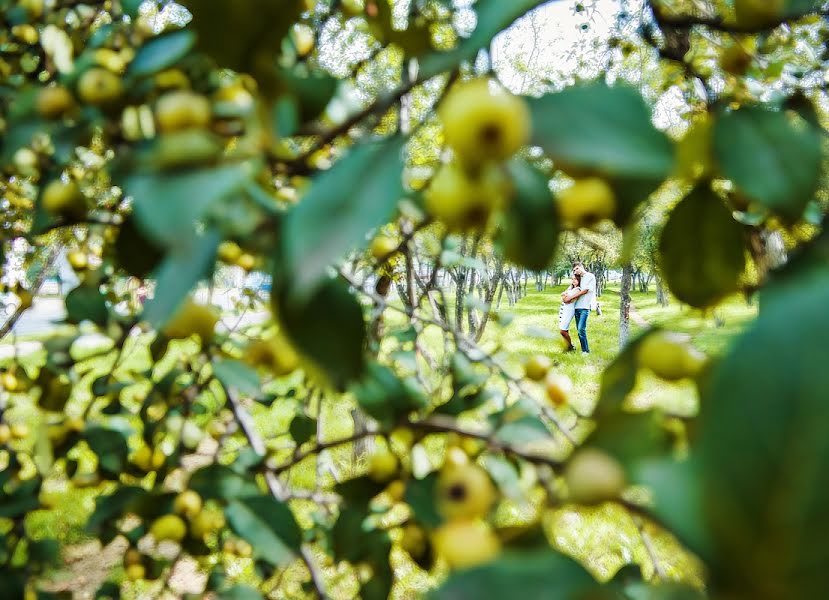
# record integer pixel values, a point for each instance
(638, 318)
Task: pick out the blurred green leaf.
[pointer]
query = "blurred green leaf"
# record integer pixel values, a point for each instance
(602, 129)
(420, 495)
(529, 236)
(113, 506)
(525, 430)
(161, 53)
(240, 592)
(237, 375)
(302, 428)
(702, 250)
(534, 575)
(86, 303)
(359, 193)
(771, 156)
(218, 482)
(111, 448)
(268, 525)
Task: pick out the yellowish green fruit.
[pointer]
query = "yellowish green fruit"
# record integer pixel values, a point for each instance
(99, 87)
(466, 543)
(25, 33)
(191, 435)
(5, 433)
(670, 356)
(694, 152)
(54, 101)
(593, 476)
(26, 162)
(192, 319)
(559, 387)
(397, 490)
(186, 148)
(135, 572)
(274, 353)
(206, 522)
(482, 121)
(180, 110)
(303, 38)
(587, 202)
(9, 381)
(413, 540)
(463, 201)
(382, 247)
(383, 465)
(78, 260)
(537, 366)
(229, 252)
(464, 492)
(19, 431)
(168, 527)
(132, 557)
(188, 504)
(65, 199)
(246, 261)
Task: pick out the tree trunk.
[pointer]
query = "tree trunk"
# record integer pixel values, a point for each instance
(624, 305)
(661, 296)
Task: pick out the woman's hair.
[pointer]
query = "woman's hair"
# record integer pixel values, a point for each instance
(576, 277)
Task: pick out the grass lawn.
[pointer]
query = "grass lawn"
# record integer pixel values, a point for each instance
(604, 538)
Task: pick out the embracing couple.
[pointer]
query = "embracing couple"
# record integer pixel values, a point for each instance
(576, 302)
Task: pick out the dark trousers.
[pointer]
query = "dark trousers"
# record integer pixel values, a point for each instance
(581, 325)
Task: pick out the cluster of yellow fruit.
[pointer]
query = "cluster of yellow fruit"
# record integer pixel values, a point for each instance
(483, 124)
(189, 517)
(230, 253)
(558, 386)
(670, 356)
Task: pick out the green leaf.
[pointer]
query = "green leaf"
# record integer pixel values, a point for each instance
(114, 505)
(619, 379)
(168, 205)
(302, 428)
(328, 328)
(268, 525)
(493, 16)
(536, 575)
(383, 396)
(773, 157)
(237, 375)
(135, 252)
(111, 448)
(22, 500)
(763, 442)
(161, 53)
(525, 430)
(420, 495)
(218, 482)
(86, 303)
(240, 592)
(530, 233)
(702, 250)
(358, 492)
(632, 436)
(505, 474)
(602, 129)
(359, 193)
(177, 275)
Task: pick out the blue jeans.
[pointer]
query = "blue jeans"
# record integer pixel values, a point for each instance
(581, 325)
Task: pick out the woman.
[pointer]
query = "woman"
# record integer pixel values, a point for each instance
(568, 310)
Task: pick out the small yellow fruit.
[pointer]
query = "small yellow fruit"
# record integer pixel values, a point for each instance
(169, 527)
(397, 490)
(537, 366)
(383, 465)
(99, 87)
(78, 260)
(243, 549)
(192, 319)
(587, 202)
(9, 381)
(464, 492)
(462, 201)
(402, 437)
(246, 261)
(413, 540)
(593, 476)
(53, 102)
(142, 458)
(559, 387)
(382, 247)
(132, 557)
(188, 503)
(206, 522)
(26, 162)
(180, 110)
(482, 121)
(274, 353)
(5, 433)
(65, 199)
(758, 13)
(229, 252)
(25, 33)
(670, 356)
(19, 431)
(135, 572)
(303, 38)
(464, 544)
(186, 148)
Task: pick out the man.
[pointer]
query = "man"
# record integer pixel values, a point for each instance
(584, 301)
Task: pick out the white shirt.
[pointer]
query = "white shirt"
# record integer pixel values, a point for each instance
(588, 282)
